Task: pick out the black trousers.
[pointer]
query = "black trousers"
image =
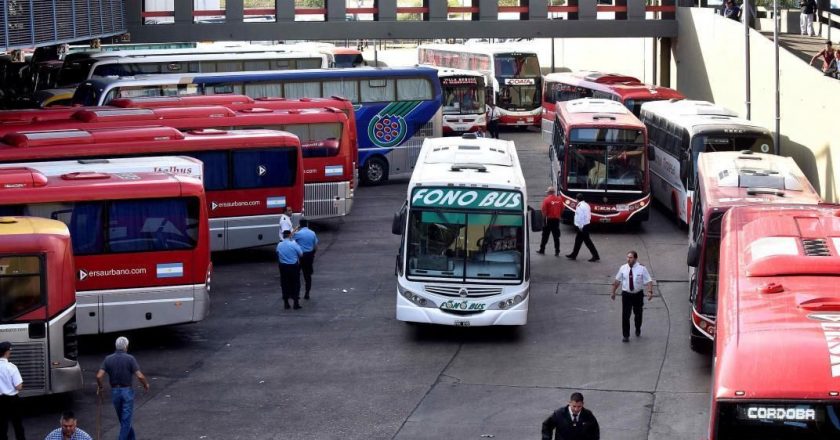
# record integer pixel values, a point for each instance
(10, 412)
(631, 302)
(552, 227)
(493, 128)
(306, 267)
(290, 281)
(582, 236)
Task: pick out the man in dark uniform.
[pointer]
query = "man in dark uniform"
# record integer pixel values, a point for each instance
(308, 242)
(288, 258)
(571, 422)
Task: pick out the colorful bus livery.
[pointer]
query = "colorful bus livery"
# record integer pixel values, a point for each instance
(140, 243)
(396, 108)
(38, 303)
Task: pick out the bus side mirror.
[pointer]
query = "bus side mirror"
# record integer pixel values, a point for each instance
(397, 225)
(684, 170)
(651, 153)
(537, 220)
(693, 258)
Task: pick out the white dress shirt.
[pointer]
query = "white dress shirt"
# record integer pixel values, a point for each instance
(583, 214)
(285, 224)
(641, 277)
(494, 114)
(9, 378)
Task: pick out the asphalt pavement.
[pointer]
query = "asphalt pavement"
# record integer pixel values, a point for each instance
(344, 368)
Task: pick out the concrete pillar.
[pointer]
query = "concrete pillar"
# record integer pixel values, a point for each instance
(133, 11)
(336, 10)
(387, 10)
(488, 10)
(285, 10)
(586, 10)
(234, 11)
(665, 62)
(437, 10)
(184, 11)
(537, 9)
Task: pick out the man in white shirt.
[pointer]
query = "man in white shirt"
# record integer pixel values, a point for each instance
(583, 215)
(286, 223)
(493, 116)
(10, 385)
(634, 279)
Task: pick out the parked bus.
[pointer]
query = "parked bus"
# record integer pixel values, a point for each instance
(140, 242)
(512, 72)
(329, 157)
(38, 303)
(726, 180)
(679, 131)
(462, 100)
(177, 165)
(347, 57)
(776, 367)
(250, 175)
(464, 257)
(396, 108)
(628, 90)
(600, 150)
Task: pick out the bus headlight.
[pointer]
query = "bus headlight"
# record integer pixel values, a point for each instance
(414, 298)
(510, 302)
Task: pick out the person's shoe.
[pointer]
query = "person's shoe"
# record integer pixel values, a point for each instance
(286, 305)
(625, 339)
(306, 295)
(541, 252)
(594, 259)
(570, 256)
(557, 254)
(638, 332)
(297, 306)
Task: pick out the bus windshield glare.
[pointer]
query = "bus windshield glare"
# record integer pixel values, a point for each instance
(778, 421)
(463, 100)
(606, 158)
(21, 286)
(709, 142)
(461, 245)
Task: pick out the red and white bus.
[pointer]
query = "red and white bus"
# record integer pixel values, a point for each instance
(328, 156)
(250, 175)
(627, 90)
(726, 180)
(599, 149)
(38, 303)
(140, 242)
(512, 72)
(462, 101)
(776, 368)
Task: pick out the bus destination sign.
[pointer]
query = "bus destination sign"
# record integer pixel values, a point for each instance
(464, 198)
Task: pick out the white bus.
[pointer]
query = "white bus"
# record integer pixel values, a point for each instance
(679, 130)
(463, 258)
(463, 94)
(512, 71)
(177, 165)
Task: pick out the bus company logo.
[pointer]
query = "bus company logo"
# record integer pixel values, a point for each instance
(388, 127)
(463, 292)
(234, 204)
(461, 198)
(462, 305)
(85, 274)
(262, 170)
(519, 81)
(830, 323)
(172, 169)
(458, 81)
(14, 185)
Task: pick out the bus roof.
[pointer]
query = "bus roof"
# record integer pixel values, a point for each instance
(693, 115)
(444, 72)
(626, 87)
(180, 165)
(492, 163)
(31, 225)
(246, 56)
(778, 315)
(20, 185)
(586, 112)
(478, 48)
(733, 178)
(228, 100)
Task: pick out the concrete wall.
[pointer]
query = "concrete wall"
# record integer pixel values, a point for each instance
(708, 63)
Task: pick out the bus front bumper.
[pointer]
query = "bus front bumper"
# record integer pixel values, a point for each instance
(515, 315)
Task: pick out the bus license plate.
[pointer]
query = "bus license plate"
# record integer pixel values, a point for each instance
(622, 207)
(462, 323)
(604, 220)
(521, 122)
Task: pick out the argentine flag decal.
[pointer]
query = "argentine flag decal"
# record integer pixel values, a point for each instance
(170, 270)
(276, 202)
(333, 170)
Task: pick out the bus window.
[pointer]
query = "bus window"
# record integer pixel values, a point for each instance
(280, 163)
(413, 89)
(21, 284)
(257, 65)
(316, 140)
(262, 89)
(377, 90)
(308, 63)
(345, 89)
(152, 225)
(302, 90)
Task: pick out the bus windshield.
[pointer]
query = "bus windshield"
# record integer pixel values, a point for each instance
(463, 100)
(519, 97)
(778, 421)
(517, 65)
(709, 142)
(21, 286)
(606, 159)
(460, 245)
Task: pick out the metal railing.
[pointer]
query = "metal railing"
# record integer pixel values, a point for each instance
(32, 23)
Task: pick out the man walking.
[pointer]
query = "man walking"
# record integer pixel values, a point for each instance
(571, 422)
(10, 385)
(121, 369)
(634, 279)
(583, 215)
(807, 9)
(68, 430)
(288, 256)
(308, 242)
(552, 208)
(493, 116)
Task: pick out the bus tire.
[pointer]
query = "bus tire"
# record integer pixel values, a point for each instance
(375, 171)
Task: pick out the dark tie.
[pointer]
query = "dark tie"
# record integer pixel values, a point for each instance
(632, 289)
(574, 419)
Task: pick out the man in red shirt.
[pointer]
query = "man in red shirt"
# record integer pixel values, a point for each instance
(552, 208)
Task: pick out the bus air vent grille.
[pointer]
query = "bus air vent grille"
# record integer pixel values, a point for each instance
(470, 291)
(815, 247)
(31, 360)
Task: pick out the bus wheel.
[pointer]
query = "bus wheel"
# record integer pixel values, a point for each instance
(376, 171)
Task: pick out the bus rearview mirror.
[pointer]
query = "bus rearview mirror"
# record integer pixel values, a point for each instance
(693, 258)
(651, 153)
(397, 224)
(537, 220)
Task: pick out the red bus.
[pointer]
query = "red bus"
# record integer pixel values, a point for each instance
(328, 156)
(140, 243)
(777, 369)
(599, 149)
(627, 90)
(37, 310)
(724, 180)
(250, 175)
